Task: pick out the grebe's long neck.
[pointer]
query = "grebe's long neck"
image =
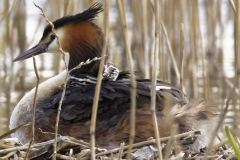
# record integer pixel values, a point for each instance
(86, 42)
(45, 89)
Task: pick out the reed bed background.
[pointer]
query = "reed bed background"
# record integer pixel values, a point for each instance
(210, 59)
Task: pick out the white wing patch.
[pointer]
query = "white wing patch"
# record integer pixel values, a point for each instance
(162, 87)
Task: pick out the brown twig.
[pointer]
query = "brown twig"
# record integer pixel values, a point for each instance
(64, 88)
(237, 51)
(182, 52)
(151, 142)
(61, 156)
(53, 30)
(222, 143)
(13, 130)
(222, 117)
(21, 148)
(120, 151)
(84, 64)
(80, 142)
(34, 106)
(233, 6)
(8, 156)
(10, 11)
(133, 81)
(227, 81)
(171, 142)
(42, 144)
(170, 49)
(201, 157)
(154, 79)
(144, 24)
(99, 82)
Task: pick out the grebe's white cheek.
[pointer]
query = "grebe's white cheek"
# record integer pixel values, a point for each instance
(53, 46)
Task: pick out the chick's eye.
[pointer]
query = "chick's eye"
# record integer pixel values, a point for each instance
(52, 37)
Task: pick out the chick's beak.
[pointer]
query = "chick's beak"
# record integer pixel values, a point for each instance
(38, 49)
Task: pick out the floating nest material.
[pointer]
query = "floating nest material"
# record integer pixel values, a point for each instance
(71, 148)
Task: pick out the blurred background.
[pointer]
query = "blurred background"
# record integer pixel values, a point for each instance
(209, 61)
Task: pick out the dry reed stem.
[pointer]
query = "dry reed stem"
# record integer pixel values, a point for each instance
(193, 56)
(34, 106)
(8, 156)
(61, 156)
(170, 49)
(22, 148)
(182, 53)
(84, 63)
(133, 82)
(38, 25)
(200, 50)
(237, 59)
(61, 100)
(81, 143)
(9, 11)
(121, 148)
(13, 130)
(170, 142)
(227, 81)
(8, 38)
(151, 142)
(221, 118)
(65, 80)
(144, 33)
(163, 56)
(222, 143)
(42, 144)
(233, 6)
(99, 82)
(220, 139)
(201, 157)
(154, 79)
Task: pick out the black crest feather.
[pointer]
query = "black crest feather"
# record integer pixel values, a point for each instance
(88, 15)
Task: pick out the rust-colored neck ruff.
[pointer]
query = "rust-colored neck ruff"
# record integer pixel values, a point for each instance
(83, 41)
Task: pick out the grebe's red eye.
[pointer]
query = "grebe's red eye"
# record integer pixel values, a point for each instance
(52, 37)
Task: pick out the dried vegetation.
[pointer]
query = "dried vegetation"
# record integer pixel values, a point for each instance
(197, 49)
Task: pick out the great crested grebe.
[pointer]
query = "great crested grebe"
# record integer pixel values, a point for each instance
(83, 39)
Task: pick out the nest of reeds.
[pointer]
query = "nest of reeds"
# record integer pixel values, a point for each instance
(174, 147)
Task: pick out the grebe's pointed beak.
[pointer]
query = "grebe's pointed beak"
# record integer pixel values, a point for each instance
(38, 49)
